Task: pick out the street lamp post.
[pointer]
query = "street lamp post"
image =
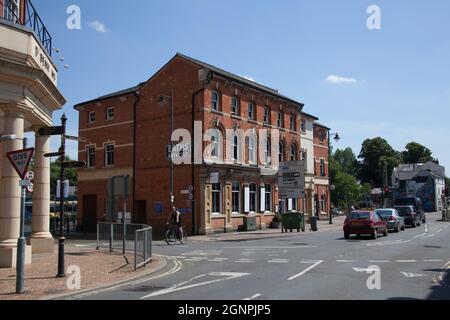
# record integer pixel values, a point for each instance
(163, 98)
(61, 239)
(336, 138)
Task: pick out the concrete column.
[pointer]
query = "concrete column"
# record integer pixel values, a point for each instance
(41, 239)
(10, 195)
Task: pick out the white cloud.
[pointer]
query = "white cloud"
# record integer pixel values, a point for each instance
(98, 26)
(338, 79)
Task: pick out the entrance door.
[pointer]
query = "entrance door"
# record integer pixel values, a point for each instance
(140, 212)
(89, 213)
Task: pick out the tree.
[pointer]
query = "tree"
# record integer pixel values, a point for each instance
(347, 190)
(416, 153)
(70, 174)
(347, 160)
(374, 154)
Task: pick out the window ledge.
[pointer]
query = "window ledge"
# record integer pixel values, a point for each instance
(217, 112)
(252, 121)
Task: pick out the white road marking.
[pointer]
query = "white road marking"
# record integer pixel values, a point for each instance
(405, 261)
(440, 230)
(203, 253)
(182, 286)
(379, 261)
(386, 243)
(440, 278)
(264, 248)
(278, 261)
(175, 269)
(420, 235)
(363, 269)
(428, 236)
(306, 270)
(81, 245)
(345, 261)
(433, 260)
(245, 261)
(412, 275)
(255, 296)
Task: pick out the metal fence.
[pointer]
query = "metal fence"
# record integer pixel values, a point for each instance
(136, 238)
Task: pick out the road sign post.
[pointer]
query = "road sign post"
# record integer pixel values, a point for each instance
(20, 160)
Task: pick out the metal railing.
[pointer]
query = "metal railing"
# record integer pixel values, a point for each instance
(136, 238)
(30, 19)
(142, 247)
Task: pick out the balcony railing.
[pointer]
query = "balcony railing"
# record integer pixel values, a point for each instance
(28, 18)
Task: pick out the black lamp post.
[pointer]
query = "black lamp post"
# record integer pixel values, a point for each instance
(163, 98)
(336, 138)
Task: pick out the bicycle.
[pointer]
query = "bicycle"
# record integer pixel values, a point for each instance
(172, 237)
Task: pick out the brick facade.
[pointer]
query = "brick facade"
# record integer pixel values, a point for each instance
(215, 209)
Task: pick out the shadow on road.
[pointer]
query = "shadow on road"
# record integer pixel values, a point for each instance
(441, 290)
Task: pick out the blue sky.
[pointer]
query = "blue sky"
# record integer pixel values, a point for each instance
(392, 82)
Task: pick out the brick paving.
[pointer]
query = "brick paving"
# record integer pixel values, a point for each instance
(98, 268)
(322, 225)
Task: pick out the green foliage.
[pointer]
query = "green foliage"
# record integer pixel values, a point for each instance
(374, 153)
(347, 161)
(347, 190)
(416, 153)
(69, 174)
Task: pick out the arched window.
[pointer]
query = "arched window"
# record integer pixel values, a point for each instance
(251, 150)
(267, 152)
(215, 144)
(293, 152)
(281, 152)
(235, 146)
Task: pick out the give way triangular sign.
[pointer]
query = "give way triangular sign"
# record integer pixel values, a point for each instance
(20, 160)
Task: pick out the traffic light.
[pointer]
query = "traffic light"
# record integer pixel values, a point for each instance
(387, 192)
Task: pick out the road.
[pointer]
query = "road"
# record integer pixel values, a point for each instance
(413, 264)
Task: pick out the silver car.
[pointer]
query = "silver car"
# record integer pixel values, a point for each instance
(394, 221)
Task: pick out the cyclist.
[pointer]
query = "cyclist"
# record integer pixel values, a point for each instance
(175, 221)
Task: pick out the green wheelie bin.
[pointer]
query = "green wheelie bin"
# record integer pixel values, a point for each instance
(292, 221)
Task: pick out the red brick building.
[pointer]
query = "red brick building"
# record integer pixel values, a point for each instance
(128, 132)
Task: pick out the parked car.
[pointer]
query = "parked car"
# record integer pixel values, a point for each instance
(365, 222)
(394, 221)
(412, 218)
(415, 202)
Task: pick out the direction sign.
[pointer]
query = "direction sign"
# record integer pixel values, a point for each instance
(53, 154)
(20, 160)
(75, 138)
(291, 179)
(74, 164)
(51, 131)
(29, 175)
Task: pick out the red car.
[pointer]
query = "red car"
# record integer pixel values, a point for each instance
(365, 222)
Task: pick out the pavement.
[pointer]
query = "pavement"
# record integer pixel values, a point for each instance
(96, 269)
(322, 226)
(413, 264)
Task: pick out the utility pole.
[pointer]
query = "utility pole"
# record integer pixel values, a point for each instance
(61, 239)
